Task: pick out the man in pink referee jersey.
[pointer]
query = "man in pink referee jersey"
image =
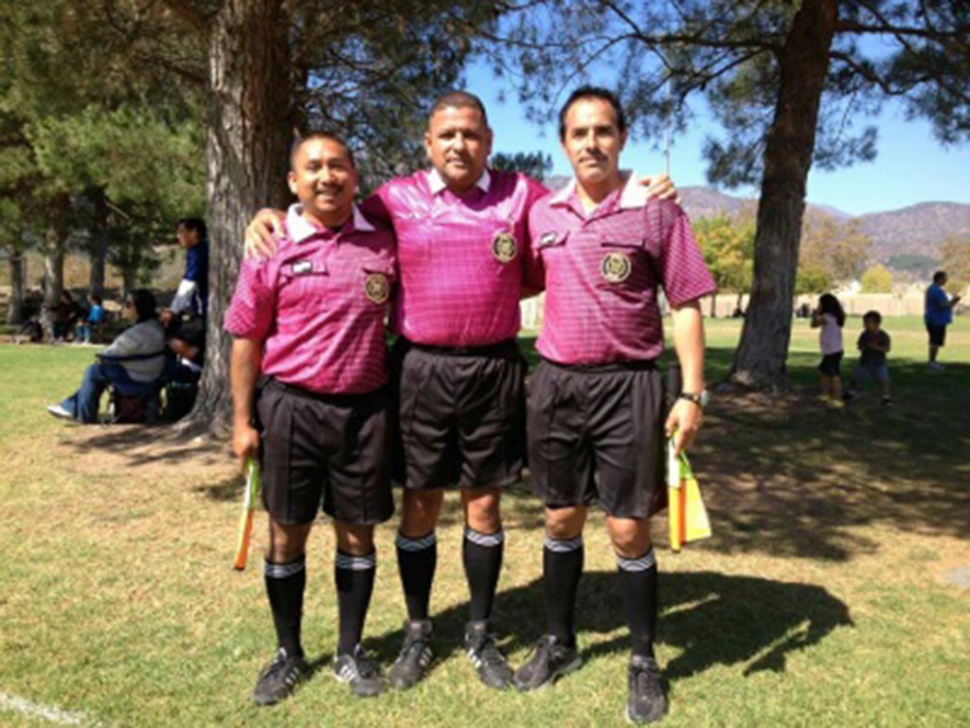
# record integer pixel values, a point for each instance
(462, 249)
(596, 419)
(308, 324)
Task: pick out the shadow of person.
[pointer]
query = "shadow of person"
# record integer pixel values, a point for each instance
(714, 619)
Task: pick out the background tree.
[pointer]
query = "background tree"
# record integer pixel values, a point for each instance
(534, 164)
(786, 81)
(728, 247)
(955, 252)
(877, 279)
(831, 253)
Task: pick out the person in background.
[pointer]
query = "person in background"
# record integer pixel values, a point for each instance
(94, 318)
(137, 356)
(830, 318)
(192, 297)
(874, 343)
(937, 315)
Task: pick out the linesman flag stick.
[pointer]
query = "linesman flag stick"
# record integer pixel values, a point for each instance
(685, 508)
(246, 517)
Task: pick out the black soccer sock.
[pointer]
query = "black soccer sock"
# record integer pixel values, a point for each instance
(416, 561)
(562, 567)
(638, 582)
(354, 576)
(482, 556)
(285, 584)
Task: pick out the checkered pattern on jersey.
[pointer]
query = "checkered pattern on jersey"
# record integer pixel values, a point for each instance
(318, 306)
(461, 258)
(602, 272)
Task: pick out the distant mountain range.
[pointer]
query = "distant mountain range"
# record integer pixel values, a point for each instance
(917, 230)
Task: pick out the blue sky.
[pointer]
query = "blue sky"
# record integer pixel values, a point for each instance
(910, 167)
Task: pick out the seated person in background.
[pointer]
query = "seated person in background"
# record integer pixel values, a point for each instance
(187, 340)
(137, 356)
(94, 318)
(874, 344)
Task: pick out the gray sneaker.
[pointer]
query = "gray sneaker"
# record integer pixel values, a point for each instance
(550, 660)
(490, 664)
(361, 672)
(647, 702)
(279, 678)
(415, 658)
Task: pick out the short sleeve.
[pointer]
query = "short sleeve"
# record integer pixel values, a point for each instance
(250, 313)
(684, 274)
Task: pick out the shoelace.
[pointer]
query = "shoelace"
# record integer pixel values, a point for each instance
(489, 654)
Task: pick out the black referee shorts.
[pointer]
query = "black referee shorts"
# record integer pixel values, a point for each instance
(461, 416)
(329, 450)
(937, 335)
(596, 434)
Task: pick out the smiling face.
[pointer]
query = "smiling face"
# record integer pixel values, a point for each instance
(593, 141)
(458, 144)
(324, 179)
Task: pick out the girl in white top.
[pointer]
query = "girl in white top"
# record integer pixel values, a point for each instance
(829, 317)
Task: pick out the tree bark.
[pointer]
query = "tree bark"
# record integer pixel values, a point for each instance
(55, 244)
(760, 360)
(99, 246)
(15, 306)
(247, 143)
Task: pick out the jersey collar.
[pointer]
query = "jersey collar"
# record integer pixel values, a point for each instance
(437, 184)
(301, 229)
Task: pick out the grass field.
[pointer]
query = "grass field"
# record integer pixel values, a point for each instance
(821, 600)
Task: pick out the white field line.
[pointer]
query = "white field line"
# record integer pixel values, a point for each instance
(16, 704)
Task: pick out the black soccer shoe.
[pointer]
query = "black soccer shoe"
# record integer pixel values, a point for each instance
(280, 678)
(492, 667)
(415, 658)
(647, 703)
(551, 659)
(361, 672)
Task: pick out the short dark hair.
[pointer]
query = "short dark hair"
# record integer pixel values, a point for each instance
(95, 298)
(458, 100)
(193, 223)
(321, 134)
(939, 276)
(873, 316)
(145, 305)
(592, 92)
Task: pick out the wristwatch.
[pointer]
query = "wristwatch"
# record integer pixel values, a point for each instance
(700, 399)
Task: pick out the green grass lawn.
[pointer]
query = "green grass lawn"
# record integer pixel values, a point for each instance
(821, 599)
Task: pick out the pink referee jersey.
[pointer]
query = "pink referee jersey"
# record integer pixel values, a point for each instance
(461, 258)
(602, 272)
(318, 305)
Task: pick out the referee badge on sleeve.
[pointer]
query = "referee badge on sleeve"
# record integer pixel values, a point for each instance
(615, 267)
(376, 288)
(503, 247)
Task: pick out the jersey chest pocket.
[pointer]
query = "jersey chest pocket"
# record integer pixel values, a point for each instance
(621, 266)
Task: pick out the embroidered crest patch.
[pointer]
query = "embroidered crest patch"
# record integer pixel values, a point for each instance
(504, 248)
(616, 267)
(376, 288)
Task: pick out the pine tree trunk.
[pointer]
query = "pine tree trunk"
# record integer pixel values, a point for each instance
(246, 153)
(760, 360)
(55, 243)
(99, 247)
(15, 306)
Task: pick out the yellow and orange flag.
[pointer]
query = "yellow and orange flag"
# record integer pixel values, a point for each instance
(685, 507)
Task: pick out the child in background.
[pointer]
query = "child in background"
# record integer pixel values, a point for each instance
(874, 343)
(830, 318)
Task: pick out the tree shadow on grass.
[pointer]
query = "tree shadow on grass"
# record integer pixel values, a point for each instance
(139, 445)
(788, 476)
(714, 619)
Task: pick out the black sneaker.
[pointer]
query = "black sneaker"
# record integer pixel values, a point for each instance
(361, 672)
(280, 678)
(551, 659)
(647, 703)
(415, 658)
(492, 667)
